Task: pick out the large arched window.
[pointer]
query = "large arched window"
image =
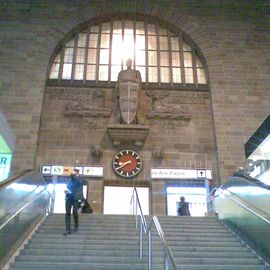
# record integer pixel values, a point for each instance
(99, 52)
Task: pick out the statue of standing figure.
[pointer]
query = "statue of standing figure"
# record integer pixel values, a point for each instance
(128, 86)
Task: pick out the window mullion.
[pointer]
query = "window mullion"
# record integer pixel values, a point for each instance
(110, 53)
(74, 57)
(170, 57)
(98, 53)
(195, 78)
(62, 54)
(134, 37)
(146, 53)
(183, 77)
(86, 54)
(158, 54)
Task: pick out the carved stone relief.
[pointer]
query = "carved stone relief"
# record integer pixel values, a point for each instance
(94, 107)
(164, 114)
(89, 112)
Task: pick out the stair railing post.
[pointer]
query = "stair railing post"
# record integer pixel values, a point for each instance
(141, 240)
(149, 250)
(166, 265)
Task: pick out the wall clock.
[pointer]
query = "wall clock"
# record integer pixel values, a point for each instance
(127, 163)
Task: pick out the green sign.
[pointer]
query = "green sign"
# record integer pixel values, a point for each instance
(5, 163)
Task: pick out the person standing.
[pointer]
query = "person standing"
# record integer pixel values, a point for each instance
(183, 208)
(74, 195)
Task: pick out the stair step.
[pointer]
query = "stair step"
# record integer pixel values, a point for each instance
(112, 242)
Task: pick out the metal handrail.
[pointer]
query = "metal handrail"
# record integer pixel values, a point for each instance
(244, 206)
(154, 223)
(209, 202)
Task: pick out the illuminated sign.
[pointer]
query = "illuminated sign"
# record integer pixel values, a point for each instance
(88, 171)
(181, 174)
(5, 163)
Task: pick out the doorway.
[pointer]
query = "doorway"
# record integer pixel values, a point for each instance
(195, 195)
(117, 200)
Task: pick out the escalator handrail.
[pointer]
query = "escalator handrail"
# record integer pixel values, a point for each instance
(250, 179)
(22, 208)
(243, 205)
(12, 179)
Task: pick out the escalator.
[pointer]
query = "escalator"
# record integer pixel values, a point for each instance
(243, 204)
(25, 200)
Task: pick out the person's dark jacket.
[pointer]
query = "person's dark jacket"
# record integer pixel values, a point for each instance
(75, 187)
(183, 209)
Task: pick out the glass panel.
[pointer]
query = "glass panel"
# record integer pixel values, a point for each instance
(152, 43)
(201, 76)
(117, 42)
(106, 28)
(189, 75)
(103, 73)
(117, 27)
(140, 28)
(186, 48)
(80, 57)
(93, 39)
(151, 29)
(253, 196)
(176, 75)
(163, 43)
(70, 43)
(57, 58)
(140, 42)
(92, 56)
(142, 71)
(175, 44)
(116, 57)
(82, 40)
(105, 41)
(164, 58)
(128, 47)
(198, 62)
(152, 58)
(128, 28)
(68, 55)
(94, 29)
(104, 56)
(165, 75)
(91, 72)
(140, 58)
(162, 32)
(187, 59)
(67, 68)
(54, 71)
(79, 69)
(114, 72)
(176, 59)
(152, 74)
(12, 198)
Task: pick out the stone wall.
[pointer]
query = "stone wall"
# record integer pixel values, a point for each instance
(232, 36)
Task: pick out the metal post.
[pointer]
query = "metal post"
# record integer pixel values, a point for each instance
(141, 240)
(149, 251)
(166, 266)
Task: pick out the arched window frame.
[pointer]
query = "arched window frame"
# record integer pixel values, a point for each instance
(198, 69)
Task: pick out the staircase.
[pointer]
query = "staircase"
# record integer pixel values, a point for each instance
(110, 242)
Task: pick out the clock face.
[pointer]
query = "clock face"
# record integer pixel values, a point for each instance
(127, 163)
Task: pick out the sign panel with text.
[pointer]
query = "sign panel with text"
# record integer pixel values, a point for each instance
(65, 170)
(5, 163)
(160, 173)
